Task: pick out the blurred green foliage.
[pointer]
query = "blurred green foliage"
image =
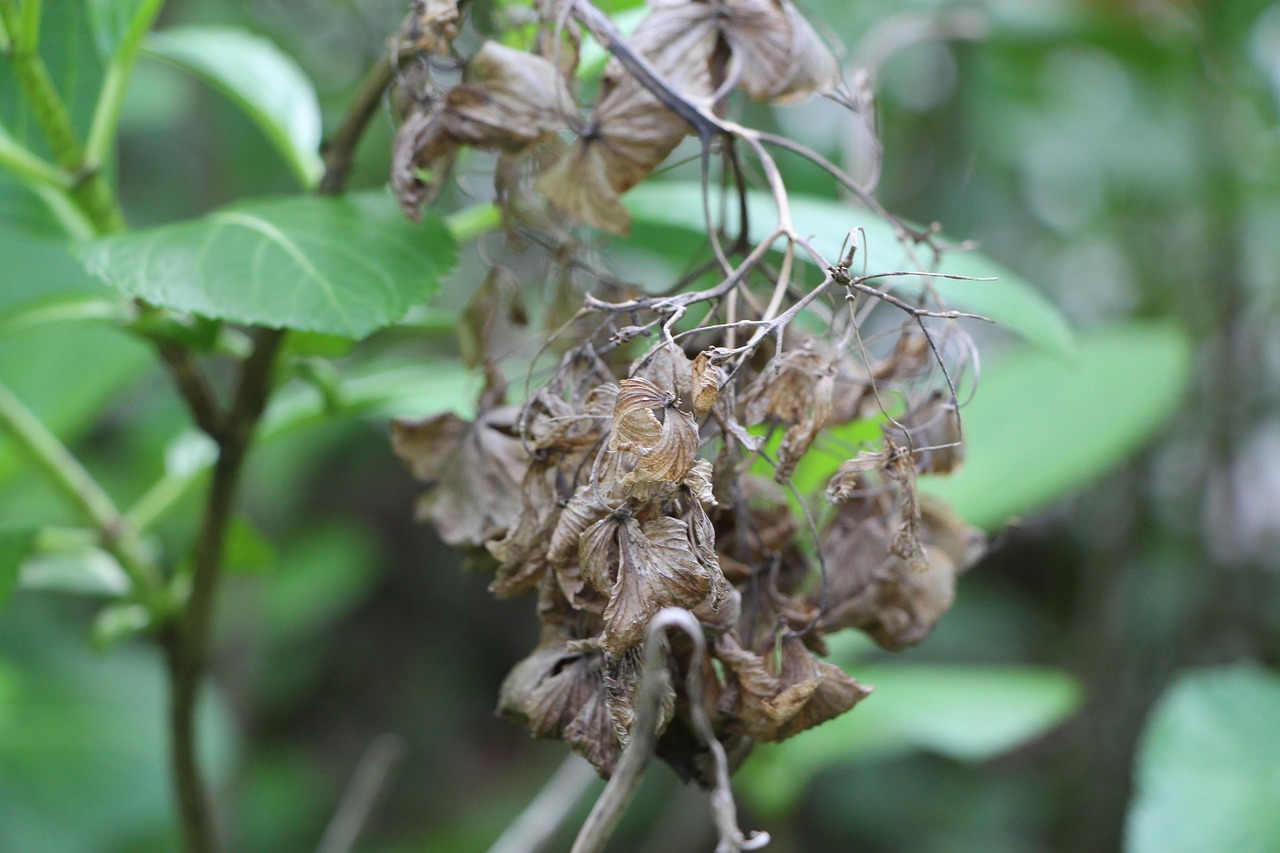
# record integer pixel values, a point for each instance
(1121, 158)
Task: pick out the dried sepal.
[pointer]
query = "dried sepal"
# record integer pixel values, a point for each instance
(558, 692)
(664, 449)
(643, 568)
(897, 601)
(474, 472)
(508, 100)
(774, 55)
(707, 379)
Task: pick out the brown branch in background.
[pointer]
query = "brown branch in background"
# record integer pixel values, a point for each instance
(339, 151)
(191, 383)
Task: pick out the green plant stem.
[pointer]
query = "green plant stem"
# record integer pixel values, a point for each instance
(31, 167)
(117, 535)
(106, 113)
(89, 190)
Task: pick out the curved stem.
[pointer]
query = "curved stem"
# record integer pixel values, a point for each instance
(117, 536)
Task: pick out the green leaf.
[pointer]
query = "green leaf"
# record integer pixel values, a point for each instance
(968, 713)
(342, 266)
(15, 545)
(1039, 428)
(83, 759)
(1208, 768)
(1010, 301)
(84, 572)
(264, 81)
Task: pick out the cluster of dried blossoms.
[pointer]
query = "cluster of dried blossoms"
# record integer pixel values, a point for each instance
(629, 482)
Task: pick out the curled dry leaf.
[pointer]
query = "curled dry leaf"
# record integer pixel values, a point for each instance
(474, 471)
(774, 55)
(872, 588)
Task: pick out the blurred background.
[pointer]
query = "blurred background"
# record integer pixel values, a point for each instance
(1106, 679)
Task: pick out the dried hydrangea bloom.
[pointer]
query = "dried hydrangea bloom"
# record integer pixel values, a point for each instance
(508, 100)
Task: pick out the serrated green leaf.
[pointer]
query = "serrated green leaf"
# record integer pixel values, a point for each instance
(1208, 768)
(1010, 301)
(259, 77)
(1039, 427)
(969, 713)
(342, 266)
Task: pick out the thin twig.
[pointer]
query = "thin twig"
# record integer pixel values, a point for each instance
(367, 785)
(339, 151)
(548, 811)
(654, 680)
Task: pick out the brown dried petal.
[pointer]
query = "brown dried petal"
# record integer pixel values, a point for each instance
(784, 394)
(698, 482)
(656, 569)
(508, 98)
(558, 692)
(622, 677)
(664, 450)
(800, 437)
(871, 588)
(475, 470)
(630, 132)
(707, 379)
(813, 691)
(432, 24)
(850, 478)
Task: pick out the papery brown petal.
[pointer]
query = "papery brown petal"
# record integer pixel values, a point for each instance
(476, 491)
(597, 546)
(630, 132)
(800, 437)
(492, 313)
(581, 512)
(851, 477)
(665, 450)
(870, 587)
(656, 569)
(707, 379)
(813, 68)
(427, 446)
(622, 677)
(420, 140)
(508, 98)
(558, 692)
(698, 482)
(933, 434)
(785, 394)
(813, 691)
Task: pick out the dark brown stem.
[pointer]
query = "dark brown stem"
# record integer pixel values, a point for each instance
(191, 384)
(186, 640)
(339, 151)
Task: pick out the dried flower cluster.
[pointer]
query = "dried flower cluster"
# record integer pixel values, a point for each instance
(651, 469)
